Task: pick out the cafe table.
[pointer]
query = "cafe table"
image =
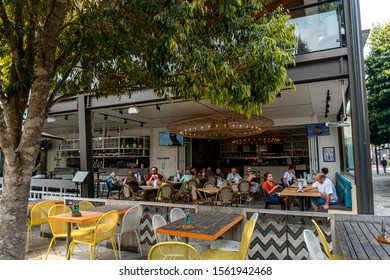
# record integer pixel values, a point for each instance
(90, 215)
(207, 225)
(147, 191)
(292, 191)
(358, 236)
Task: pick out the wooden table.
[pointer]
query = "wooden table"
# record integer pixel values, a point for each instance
(90, 215)
(358, 236)
(175, 185)
(147, 191)
(207, 226)
(301, 195)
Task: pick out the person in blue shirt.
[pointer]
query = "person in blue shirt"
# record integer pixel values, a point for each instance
(187, 176)
(234, 177)
(114, 184)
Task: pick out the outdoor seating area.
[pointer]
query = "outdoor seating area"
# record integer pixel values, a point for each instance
(240, 233)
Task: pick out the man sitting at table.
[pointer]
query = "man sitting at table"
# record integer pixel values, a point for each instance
(234, 177)
(327, 191)
(154, 176)
(289, 177)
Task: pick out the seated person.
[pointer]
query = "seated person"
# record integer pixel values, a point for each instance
(153, 179)
(209, 172)
(113, 184)
(193, 171)
(273, 191)
(177, 176)
(254, 182)
(219, 173)
(131, 182)
(325, 171)
(289, 177)
(187, 176)
(154, 176)
(327, 191)
(233, 177)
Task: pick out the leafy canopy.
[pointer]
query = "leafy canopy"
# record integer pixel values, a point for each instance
(217, 50)
(378, 84)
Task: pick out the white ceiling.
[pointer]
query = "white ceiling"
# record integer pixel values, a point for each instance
(294, 108)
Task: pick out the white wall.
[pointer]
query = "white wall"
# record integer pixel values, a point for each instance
(165, 158)
(330, 141)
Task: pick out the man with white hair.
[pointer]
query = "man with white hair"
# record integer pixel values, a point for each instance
(327, 191)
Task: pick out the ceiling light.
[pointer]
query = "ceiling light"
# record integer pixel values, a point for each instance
(66, 117)
(125, 121)
(51, 119)
(105, 117)
(338, 124)
(133, 110)
(158, 107)
(120, 111)
(220, 126)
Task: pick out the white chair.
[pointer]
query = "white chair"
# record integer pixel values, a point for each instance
(176, 214)
(159, 221)
(230, 245)
(313, 246)
(130, 223)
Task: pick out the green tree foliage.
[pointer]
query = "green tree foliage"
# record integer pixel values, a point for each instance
(223, 51)
(378, 84)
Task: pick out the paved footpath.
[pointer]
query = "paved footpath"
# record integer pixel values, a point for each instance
(381, 186)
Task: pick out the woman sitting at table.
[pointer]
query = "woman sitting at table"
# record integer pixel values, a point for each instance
(187, 176)
(131, 181)
(254, 182)
(273, 191)
(113, 184)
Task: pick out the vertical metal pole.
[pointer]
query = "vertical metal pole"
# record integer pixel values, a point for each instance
(86, 152)
(360, 128)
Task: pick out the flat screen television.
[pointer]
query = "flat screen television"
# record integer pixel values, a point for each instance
(170, 139)
(275, 148)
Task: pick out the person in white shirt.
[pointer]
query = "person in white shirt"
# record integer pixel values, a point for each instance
(234, 177)
(289, 177)
(327, 191)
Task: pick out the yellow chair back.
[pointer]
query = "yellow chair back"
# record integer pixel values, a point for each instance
(106, 226)
(173, 251)
(84, 205)
(57, 227)
(325, 244)
(39, 213)
(246, 239)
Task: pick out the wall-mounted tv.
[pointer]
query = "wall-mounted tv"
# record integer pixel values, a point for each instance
(170, 139)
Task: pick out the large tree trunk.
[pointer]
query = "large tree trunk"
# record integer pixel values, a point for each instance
(21, 147)
(13, 208)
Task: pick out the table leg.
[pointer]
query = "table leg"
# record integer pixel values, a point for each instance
(301, 203)
(68, 237)
(185, 240)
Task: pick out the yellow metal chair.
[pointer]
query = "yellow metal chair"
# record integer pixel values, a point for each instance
(85, 205)
(103, 230)
(38, 217)
(59, 229)
(173, 251)
(325, 244)
(165, 193)
(218, 254)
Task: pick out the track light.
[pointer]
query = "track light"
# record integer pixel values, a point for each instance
(133, 110)
(105, 117)
(120, 111)
(279, 95)
(142, 124)
(125, 121)
(51, 119)
(66, 117)
(158, 107)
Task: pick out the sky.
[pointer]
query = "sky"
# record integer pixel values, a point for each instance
(373, 11)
